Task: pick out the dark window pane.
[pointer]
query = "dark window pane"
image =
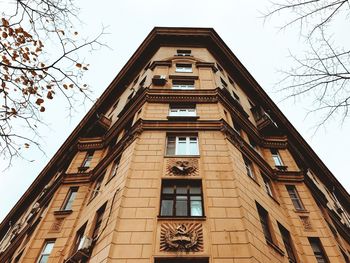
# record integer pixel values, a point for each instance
(167, 208)
(195, 190)
(181, 189)
(181, 205)
(168, 190)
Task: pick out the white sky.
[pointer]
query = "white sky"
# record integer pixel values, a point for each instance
(262, 49)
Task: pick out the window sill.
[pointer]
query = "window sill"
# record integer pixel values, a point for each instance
(62, 212)
(302, 211)
(254, 180)
(182, 118)
(110, 179)
(200, 218)
(275, 247)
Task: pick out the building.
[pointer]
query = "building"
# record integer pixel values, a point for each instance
(184, 158)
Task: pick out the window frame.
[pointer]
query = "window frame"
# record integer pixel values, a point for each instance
(42, 254)
(115, 167)
(175, 184)
(184, 52)
(288, 243)
(87, 159)
(296, 200)
(97, 186)
(321, 254)
(73, 191)
(177, 143)
(79, 235)
(267, 185)
(276, 157)
(183, 85)
(249, 167)
(264, 219)
(98, 221)
(183, 68)
(188, 110)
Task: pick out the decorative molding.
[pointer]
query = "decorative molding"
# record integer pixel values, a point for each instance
(160, 63)
(57, 225)
(207, 65)
(182, 167)
(305, 220)
(90, 143)
(181, 237)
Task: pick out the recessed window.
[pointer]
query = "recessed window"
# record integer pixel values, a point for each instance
(181, 198)
(276, 157)
(79, 238)
(264, 220)
(267, 185)
(183, 84)
(97, 187)
(220, 68)
(249, 167)
(294, 196)
(183, 52)
(235, 96)
(287, 241)
(46, 251)
(115, 167)
(87, 160)
(67, 204)
(182, 145)
(318, 250)
(98, 222)
(182, 110)
(252, 143)
(224, 84)
(184, 68)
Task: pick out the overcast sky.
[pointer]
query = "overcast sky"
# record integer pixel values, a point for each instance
(261, 47)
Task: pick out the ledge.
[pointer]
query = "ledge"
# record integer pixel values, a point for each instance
(183, 77)
(275, 247)
(301, 211)
(62, 212)
(182, 118)
(182, 156)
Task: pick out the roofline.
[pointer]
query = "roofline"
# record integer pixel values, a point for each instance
(166, 36)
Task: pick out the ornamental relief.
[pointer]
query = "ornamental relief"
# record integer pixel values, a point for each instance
(181, 237)
(182, 167)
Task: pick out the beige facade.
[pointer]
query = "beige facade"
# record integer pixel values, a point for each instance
(188, 160)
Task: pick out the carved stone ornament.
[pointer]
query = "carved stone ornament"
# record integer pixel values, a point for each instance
(57, 225)
(181, 237)
(182, 167)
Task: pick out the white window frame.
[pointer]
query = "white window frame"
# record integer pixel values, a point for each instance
(45, 253)
(267, 184)
(276, 158)
(183, 86)
(182, 69)
(182, 111)
(187, 145)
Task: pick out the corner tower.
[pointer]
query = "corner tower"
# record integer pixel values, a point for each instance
(184, 158)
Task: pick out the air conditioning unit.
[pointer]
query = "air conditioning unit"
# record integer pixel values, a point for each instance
(85, 243)
(159, 80)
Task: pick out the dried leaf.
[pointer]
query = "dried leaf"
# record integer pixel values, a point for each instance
(39, 101)
(42, 109)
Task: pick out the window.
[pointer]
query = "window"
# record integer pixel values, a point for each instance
(276, 157)
(185, 68)
(46, 251)
(183, 52)
(67, 204)
(182, 111)
(115, 105)
(97, 187)
(318, 250)
(294, 196)
(181, 198)
(224, 84)
(78, 238)
(237, 127)
(267, 185)
(183, 85)
(249, 167)
(98, 222)
(87, 160)
(220, 68)
(287, 241)
(182, 145)
(252, 143)
(115, 167)
(264, 220)
(235, 96)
